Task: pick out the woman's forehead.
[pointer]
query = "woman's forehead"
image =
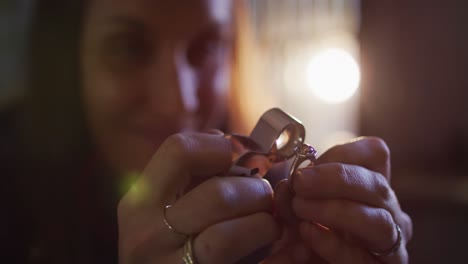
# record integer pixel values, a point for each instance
(163, 12)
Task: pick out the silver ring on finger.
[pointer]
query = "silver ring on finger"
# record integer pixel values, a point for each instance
(169, 225)
(391, 251)
(302, 153)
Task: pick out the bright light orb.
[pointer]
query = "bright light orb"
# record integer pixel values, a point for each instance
(333, 75)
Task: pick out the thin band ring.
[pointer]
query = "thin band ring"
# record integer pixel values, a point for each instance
(391, 251)
(169, 225)
(301, 153)
(188, 257)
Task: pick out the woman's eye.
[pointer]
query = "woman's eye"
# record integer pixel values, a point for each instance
(126, 52)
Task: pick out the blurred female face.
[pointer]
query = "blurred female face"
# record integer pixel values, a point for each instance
(152, 68)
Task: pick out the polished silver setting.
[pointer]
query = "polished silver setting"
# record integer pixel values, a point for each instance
(304, 152)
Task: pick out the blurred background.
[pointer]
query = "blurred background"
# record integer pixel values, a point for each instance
(395, 69)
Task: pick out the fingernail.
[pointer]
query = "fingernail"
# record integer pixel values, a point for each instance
(268, 186)
(215, 132)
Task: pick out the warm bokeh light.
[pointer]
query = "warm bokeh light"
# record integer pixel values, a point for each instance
(333, 75)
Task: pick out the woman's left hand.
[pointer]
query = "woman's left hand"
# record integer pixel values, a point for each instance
(348, 191)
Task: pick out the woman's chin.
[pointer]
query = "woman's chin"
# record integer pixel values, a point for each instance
(131, 156)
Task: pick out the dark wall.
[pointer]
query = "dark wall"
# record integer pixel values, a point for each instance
(13, 25)
(415, 96)
(415, 59)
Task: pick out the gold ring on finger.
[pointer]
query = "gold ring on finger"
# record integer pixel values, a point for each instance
(188, 257)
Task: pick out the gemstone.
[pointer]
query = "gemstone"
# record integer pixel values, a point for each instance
(305, 151)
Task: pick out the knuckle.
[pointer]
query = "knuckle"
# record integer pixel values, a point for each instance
(177, 146)
(340, 177)
(223, 194)
(382, 188)
(380, 149)
(407, 227)
(233, 195)
(387, 227)
(341, 169)
(344, 174)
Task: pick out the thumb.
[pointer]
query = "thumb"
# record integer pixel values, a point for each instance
(184, 160)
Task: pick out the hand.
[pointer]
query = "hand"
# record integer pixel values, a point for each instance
(229, 217)
(348, 191)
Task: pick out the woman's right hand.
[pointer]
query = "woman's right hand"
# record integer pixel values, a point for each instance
(228, 217)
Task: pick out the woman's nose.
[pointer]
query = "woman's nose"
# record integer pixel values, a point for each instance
(176, 85)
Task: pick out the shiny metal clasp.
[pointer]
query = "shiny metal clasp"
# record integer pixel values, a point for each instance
(277, 136)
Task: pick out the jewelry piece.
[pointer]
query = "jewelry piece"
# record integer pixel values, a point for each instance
(188, 257)
(302, 153)
(167, 223)
(275, 136)
(394, 248)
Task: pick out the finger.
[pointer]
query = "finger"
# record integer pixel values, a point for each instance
(229, 241)
(406, 225)
(401, 256)
(219, 199)
(374, 227)
(337, 180)
(283, 198)
(183, 159)
(329, 246)
(369, 152)
(297, 253)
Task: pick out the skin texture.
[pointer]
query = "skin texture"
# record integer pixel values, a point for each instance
(348, 191)
(230, 216)
(151, 69)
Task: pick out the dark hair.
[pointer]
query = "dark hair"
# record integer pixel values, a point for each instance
(56, 139)
(53, 142)
(53, 127)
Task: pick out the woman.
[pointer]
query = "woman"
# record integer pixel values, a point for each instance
(119, 79)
